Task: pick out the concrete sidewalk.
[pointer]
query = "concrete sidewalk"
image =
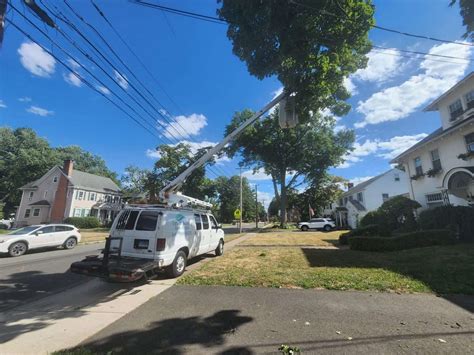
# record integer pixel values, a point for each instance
(231, 320)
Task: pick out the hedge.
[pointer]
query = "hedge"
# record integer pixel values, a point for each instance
(83, 222)
(457, 218)
(404, 241)
(370, 230)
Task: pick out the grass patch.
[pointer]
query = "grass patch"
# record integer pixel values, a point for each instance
(285, 237)
(440, 269)
(5, 231)
(89, 236)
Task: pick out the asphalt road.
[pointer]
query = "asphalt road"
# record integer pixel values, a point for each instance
(39, 274)
(239, 320)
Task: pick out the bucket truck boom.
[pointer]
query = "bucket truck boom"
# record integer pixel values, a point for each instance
(169, 193)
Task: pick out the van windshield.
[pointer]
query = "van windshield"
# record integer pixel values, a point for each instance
(147, 221)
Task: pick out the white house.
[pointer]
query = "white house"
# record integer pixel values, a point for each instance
(65, 192)
(441, 166)
(370, 195)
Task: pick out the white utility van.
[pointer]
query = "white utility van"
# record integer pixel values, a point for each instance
(147, 239)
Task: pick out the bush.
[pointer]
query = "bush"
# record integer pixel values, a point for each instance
(83, 222)
(460, 219)
(404, 241)
(3, 226)
(399, 214)
(372, 217)
(344, 238)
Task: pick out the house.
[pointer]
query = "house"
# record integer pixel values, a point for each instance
(441, 166)
(370, 195)
(66, 192)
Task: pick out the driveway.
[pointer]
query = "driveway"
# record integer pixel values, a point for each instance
(228, 320)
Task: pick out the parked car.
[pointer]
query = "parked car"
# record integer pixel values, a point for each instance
(325, 224)
(21, 240)
(6, 223)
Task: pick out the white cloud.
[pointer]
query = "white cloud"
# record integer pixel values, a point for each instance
(25, 99)
(185, 126)
(339, 128)
(2, 105)
(275, 94)
(121, 79)
(72, 79)
(194, 147)
(153, 154)
(380, 66)
(265, 198)
(103, 89)
(385, 149)
(350, 86)
(397, 145)
(39, 111)
(257, 176)
(398, 102)
(36, 60)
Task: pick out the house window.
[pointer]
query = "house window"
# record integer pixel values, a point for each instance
(418, 167)
(80, 195)
(345, 200)
(45, 193)
(27, 213)
(396, 176)
(360, 198)
(55, 179)
(36, 212)
(77, 212)
(30, 197)
(435, 159)
(470, 142)
(92, 196)
(455, 109)
(470, 99)
(385, 197)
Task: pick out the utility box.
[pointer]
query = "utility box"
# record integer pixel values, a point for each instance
(287, 113)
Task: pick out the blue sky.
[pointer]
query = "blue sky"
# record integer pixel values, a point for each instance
(193, 62)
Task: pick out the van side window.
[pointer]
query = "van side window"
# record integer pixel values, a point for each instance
(205, 221)
(127, 220)
(147, 221)
(197, 218)
(213, 222)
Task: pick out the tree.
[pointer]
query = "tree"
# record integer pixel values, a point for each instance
(228, 190)
(134, 180)
(25, 157)
(467, 14)
(311, 46)
(291, 155)
(174, 159)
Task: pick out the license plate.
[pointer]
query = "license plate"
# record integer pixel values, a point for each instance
(140, 244)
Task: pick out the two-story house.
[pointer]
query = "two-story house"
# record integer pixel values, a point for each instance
(66, 192)
(370, 195)
(441, 166)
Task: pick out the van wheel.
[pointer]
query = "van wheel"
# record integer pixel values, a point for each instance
(220, 248)
(304, 228)
(327, 228)
(70, 243)
(179, 264)
(17, 249)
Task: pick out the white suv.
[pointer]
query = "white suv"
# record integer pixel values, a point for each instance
(325, 224)
(20, 241)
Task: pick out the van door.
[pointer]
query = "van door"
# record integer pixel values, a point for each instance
(214, 240)
(141, 242)
(196, 247)
(205, 235)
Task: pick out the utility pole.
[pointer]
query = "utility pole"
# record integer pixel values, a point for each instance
(3, 10)
(241, 212)
(256, 206)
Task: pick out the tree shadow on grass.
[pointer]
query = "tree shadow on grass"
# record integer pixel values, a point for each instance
(173, 335)
(446, 270)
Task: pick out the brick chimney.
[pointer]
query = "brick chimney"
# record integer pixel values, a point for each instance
(60, 199)
(68, 166)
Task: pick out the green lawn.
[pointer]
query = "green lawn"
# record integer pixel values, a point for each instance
(4, 231)
(440, 269)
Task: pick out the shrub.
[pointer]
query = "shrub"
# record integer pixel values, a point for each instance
(404, 241)
(457, 218)
(3, 226)
(399, 214)
(372, 217)
(344, 238)
(83, 222)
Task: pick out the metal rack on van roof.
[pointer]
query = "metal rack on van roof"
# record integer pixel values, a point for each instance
(166, 207)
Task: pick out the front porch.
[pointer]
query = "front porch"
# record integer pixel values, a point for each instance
(105, 212)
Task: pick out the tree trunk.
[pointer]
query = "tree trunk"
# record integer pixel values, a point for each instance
(283, 198)
(275, 187)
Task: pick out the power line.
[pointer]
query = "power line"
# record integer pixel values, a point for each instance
(423, 53)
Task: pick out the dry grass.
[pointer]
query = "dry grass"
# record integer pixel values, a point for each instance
(93, 236)
(295, 237)
(441, 269)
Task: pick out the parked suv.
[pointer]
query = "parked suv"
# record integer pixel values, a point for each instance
(325, 224)
(20, 241)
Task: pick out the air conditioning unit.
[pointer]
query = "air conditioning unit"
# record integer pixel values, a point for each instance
(287, 114)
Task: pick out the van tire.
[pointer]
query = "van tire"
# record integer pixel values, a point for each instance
(178, 266)
(220, 248)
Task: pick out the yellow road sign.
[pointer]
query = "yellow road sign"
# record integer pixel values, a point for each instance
(237, 214)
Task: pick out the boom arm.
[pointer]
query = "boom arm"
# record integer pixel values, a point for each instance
(178, 181)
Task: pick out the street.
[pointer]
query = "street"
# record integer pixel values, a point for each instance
(40, 273)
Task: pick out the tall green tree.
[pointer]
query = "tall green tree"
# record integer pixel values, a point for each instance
(134, 180)
(310, 46)
(172, 162)
(466, 10)
(228, 190)
(290, 156)
(25, 157)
